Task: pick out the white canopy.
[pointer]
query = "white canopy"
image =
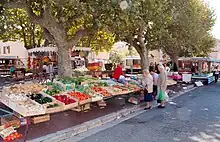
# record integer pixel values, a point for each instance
(54, 49)
(43, 49)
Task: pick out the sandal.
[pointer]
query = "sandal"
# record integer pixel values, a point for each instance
(147, 108)
(160, 106)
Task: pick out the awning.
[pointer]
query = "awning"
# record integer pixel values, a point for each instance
(198, 59)
(8, 57)
(43, 49)
(54, 49)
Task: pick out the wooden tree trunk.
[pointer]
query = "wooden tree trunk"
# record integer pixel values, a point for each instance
(144, 59)
(174, 59)
(64, 62)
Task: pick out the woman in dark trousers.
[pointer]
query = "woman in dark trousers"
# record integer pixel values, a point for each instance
(216, 74)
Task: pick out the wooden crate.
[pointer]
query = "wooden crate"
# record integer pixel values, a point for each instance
(11, 121)
(40, 119)
(85, 101)
(82, 108)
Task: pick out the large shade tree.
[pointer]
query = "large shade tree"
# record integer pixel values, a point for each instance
(139, 22)
(63, 21)
(188, 31)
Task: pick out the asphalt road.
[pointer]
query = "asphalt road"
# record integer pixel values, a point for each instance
(192, 117)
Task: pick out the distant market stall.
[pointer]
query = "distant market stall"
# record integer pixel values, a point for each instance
(49, 54)
(200, 68)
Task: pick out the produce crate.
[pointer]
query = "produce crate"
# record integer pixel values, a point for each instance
(82, 108)
(69, 106)
(85, 101)
(59, 83)
(10, 121)
(54, 109)
(40, 119)
(19, 108)
(66, 87)
(54, 101)
(96, 98)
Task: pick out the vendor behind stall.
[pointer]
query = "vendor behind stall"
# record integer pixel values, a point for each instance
(12, 70)
(118, 71)
(118, 74)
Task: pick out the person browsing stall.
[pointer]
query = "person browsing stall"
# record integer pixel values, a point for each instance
(161, 85)
(155, 77)
(147, 84)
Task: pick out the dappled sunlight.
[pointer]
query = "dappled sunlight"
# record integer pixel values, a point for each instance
(177, 139)
(209, 135)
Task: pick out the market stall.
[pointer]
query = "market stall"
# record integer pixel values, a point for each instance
(36, 103)
(200, 68)
(7, 62)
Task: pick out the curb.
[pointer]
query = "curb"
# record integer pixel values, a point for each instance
(119, 116)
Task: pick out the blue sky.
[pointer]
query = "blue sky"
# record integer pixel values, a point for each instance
(215, 4)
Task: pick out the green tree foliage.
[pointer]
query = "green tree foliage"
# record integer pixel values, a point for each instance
(15, 25)
(188, 31)
(139, 22)
(65, 22)
(99, 42)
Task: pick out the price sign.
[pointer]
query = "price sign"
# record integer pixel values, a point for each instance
(6, 132)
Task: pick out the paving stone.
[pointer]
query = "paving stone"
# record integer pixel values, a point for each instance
(94, 124)
(109, 118)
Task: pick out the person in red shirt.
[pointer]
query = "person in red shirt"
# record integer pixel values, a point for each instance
(118, 71)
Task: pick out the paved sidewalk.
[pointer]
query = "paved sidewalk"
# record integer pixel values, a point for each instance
(100, 123)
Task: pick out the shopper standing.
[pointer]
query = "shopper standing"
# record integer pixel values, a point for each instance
(162, 85)
(147, 84)
(51, 71)
(155, 77)
(216, 74)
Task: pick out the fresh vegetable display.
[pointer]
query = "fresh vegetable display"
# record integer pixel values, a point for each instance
(77, 81)
(78, 95)
(40, 98)
(53, 89)
(65, 99)
(12, 137)
(53, 105)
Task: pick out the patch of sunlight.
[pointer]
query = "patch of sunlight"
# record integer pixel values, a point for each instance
(205, 109)
(217, 125)
(204, 137)
(177, 139)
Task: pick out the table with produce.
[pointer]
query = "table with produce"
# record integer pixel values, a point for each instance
(34, 102)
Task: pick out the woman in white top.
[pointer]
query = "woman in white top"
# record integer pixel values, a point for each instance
(147, 84)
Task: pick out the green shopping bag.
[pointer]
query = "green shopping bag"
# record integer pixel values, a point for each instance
(161, 95)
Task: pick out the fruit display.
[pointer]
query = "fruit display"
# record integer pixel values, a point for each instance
(133, 87)
(25, 88)
(40, 98)
(64, 99)
(123, 88)
(12, 137)
(101, 91)
(79, 96)
(94, 66)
